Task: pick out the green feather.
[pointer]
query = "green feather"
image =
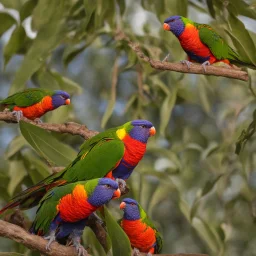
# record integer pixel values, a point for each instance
(145, 219)
(26, 98)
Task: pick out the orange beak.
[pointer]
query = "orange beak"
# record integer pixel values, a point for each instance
(67, 102)
(116, 194)
(122, 205)
(152, 131)
(166, 26)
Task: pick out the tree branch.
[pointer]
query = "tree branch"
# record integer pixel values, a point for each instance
(34, 242)
(179, 67)
(70, 127)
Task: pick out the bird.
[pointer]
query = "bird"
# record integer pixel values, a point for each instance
(202, 44)
(143, 235)
(113, 153)
(64, 210)
(34, 102)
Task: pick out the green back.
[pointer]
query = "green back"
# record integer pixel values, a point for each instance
(148, 222)
(97, 157)
(26, 98)
(47, 210)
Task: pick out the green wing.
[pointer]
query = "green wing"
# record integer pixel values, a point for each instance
(219, 48)
(47, 210)
(148, 222)
(26, 98)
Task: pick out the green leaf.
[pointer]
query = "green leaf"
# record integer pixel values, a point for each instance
(27, 8)
(240, 35)
(47, 145)
(15, 43)
(210, 7)
(6, 21)
(17, 172)
(166, 109)
(90, 7)
(182, 7)
(120, 241)
(16, 145)
(49, 36)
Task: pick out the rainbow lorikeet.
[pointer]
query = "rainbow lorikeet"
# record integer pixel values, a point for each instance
(201, 43)
(35, 102)
(64, 210)
(113, 153)
(143, 235)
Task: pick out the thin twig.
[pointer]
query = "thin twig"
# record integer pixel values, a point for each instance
(70, 127)
(179, 67)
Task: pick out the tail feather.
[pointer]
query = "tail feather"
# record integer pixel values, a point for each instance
(31, 196)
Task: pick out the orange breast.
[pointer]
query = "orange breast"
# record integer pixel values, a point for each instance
(191, 42)
(36, 110)
(141, 236)
(74, 207)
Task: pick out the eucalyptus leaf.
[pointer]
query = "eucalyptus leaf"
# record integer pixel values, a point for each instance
(47, 145)
(120, 241)
(6, 21)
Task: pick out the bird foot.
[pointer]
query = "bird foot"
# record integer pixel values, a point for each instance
(6, 110)
(149, 254)
(136, 252)
(188, 63)
(206, 63)
(51, 239)
(38, 121)
(81, 251)
(166, 58)
(18, 114)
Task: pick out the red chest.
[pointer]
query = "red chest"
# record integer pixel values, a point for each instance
(191, 42)
(134, 150)
(38, 109)
(74, 207)
(141, 236)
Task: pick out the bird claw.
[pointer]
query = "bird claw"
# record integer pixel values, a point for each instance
(166, 58)
(81, 251)
(51, 239)
(188, 63)
(149, 254)
(18, 114)
(206, 63)
(121, 184)
(136, 252)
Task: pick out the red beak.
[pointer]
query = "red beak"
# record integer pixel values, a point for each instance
(166, 26)
(152, 131)
(122, 205)
(67, 102)
(116, 194)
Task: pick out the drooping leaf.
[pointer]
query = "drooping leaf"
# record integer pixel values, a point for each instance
(17, 172)
(211, 7)
(27, 8)
(16, 144)
(15, 43)
(6, 21)
(49, 36)
(47, 145)
(120, 241)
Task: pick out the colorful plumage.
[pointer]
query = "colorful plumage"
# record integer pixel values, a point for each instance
(201, 43)
(63, 210)
(141, 231)
(35, 102)
(113, 154)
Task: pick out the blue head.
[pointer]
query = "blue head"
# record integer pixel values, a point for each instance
(105, 190)
(175, 24)
(131, 209)
(60, 98)
(139, 130)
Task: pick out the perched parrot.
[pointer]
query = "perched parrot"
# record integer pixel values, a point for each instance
(201, 43)
(35, 102)
(113, 154)
(143, 235)
(63, 210)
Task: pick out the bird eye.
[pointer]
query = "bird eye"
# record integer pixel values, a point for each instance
(107, 186)
(143, 126)
(132, 203)
(172, 20)
(62, 97)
